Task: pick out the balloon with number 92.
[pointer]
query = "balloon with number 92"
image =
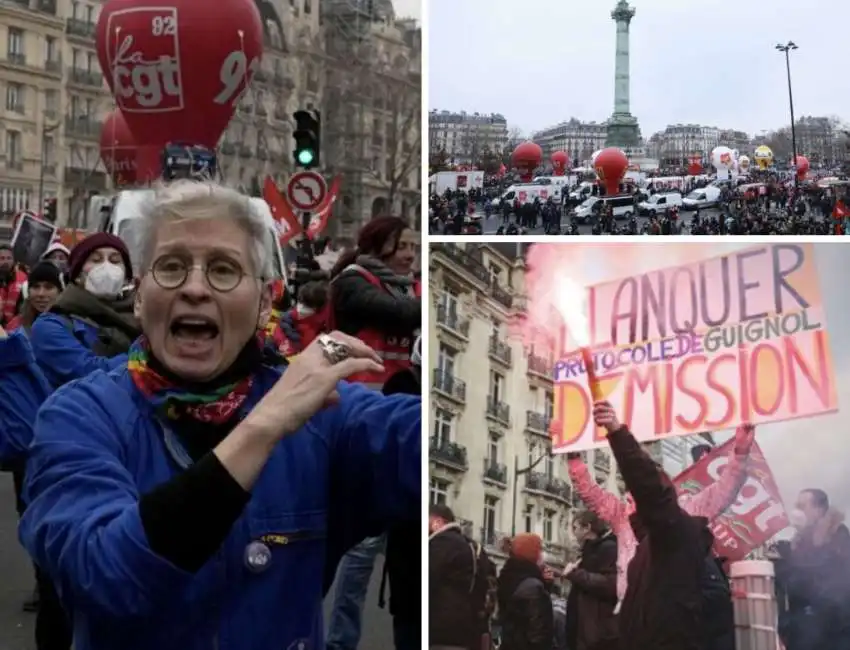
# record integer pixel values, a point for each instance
(178, 68)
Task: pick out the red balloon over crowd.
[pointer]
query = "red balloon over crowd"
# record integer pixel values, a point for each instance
(611, 165)
(177, 71)
(560, 162)
(118, 149)
(802, 164)
(525, 159)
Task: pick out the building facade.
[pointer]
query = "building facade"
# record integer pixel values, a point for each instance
(491, 401)
(578, 139)
(678, 142)
(372, 111)
(465, 137)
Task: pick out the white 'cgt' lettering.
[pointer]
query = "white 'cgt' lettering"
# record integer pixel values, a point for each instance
(150, 83)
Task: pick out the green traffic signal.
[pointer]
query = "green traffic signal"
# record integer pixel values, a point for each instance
(305, 157)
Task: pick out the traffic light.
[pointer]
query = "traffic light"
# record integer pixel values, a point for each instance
(307, 138)
(50, 210)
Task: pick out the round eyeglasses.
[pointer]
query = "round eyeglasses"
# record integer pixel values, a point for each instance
(172, 271)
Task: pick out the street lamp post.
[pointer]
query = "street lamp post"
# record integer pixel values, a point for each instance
(786, 49)
(517, 473)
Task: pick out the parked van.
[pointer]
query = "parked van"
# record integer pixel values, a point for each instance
(660, 203)
(704, 197)
(623, 206)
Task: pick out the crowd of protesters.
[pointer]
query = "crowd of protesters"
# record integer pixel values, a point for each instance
(180, 439)
(645, 576)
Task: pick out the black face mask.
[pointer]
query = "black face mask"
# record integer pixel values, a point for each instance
(637, 526)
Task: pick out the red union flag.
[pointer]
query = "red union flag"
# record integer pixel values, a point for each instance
(756, 515)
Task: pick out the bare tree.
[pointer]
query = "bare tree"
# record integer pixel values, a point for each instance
(403, 147)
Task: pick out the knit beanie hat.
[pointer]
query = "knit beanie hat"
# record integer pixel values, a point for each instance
(527, 546)
(81, 252)
(46, 272)
(56, 247)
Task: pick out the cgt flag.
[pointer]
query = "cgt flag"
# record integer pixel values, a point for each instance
(756, 515)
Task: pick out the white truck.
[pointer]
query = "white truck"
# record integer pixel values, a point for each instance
(464, 181)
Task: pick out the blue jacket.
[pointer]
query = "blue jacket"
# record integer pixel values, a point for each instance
(349, 473)
(64, 354)
(23, 389)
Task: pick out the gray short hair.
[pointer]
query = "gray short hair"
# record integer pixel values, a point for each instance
(199, 199)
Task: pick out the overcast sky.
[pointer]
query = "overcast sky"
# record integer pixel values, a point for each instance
(408, 8)
(539, 62)
(802, 453)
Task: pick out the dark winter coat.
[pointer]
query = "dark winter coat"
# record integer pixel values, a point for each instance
(525, 608)
(452, 616)
(662, 608)
(591, 623)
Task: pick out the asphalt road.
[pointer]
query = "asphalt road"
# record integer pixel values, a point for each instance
(16, 583)
(491, 225)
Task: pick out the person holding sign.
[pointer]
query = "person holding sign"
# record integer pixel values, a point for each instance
(709, 503)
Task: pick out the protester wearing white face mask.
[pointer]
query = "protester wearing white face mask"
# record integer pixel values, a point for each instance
(91, 325)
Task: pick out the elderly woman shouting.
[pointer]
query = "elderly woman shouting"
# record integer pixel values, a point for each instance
(192, 498)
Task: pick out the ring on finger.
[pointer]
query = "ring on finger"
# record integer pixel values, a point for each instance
(334, 351)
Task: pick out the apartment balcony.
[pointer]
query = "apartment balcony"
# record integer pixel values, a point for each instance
(262, 76)
(227, 148)
(16, 164)
(280, 114)
(495, 472)
(465, 261)
(261, 111)
(19, 108)
(449, 385)
(539, 367)
(448, 453)
(82, 127)
(262, 154)
(82, 29)
(16, 58)
(500, 351)
(602, 461)
(46, 6)
(85, 78)
(549, 486)
(502, 296)
(498, 411)
(283, 81)
(536, 422)
(22, 3)
(246, 152)
(451, 321)
(494, 540)
(53, 65)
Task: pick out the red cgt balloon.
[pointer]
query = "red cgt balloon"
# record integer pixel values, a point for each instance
(526, 158)
(118, 149)
(611, 165)
(802, 166)
(177, 69)
(560, 161)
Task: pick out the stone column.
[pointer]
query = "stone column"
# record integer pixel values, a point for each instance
(622, 15)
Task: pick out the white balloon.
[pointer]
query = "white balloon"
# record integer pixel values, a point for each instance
(723, 158)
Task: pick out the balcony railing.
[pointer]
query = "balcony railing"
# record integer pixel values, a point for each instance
(537, 422)
(451, 320)
(540, 482)
(227, 148)
(261, 76)
(246, 152)
(53, 65)
(465, 261)
(495, 472)
(85, 77)
(448, 453)
(500, 295)
(449, 384)
(539, 366)
(17, 165)
(16, 58)
(498, 410)
(81, 28)
(82, 126)
(500, 351)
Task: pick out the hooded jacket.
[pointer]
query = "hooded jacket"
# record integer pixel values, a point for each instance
(709, 503)
(81, 334)
(451, 568)
(591, 624)
(350, 472)
(525, 608)
(662, 608)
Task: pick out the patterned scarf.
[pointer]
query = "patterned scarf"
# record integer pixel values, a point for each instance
(217, 406)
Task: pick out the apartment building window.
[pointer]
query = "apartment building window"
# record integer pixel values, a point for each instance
(493, 449)
(15, 42)
(76, 59)
(75, 9)
(308, 7)
(89, 108)
(13, 147)
(51, 103)
(50, 49)
(15, 97)
(76, 107)
(497, 387)
(446, 360)
(529, 518)
(549, 462)
(443, 426)
(491, 509)
(533, 453)
(90, 14)
(495, 273)
(448, 301)
(49, 153)
(548, 525)
(439, 492)
(91, 62)
(549, 405)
